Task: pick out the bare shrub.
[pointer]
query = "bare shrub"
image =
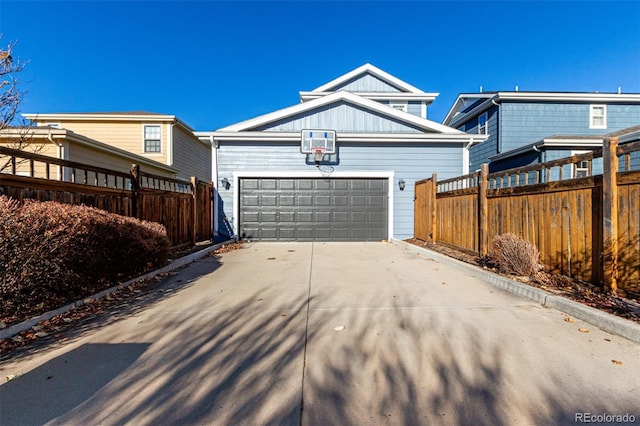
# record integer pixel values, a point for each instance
(53, 251)
(514, 255)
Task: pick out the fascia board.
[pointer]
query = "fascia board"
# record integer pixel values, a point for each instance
(568, 97)
(267, 137)
(100, 117)
(368, 68)
(385, 110)
(67, 135)
(400, 96)
(549, 143)
(450, 118)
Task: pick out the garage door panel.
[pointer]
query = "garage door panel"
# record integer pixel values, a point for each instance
(308, 209)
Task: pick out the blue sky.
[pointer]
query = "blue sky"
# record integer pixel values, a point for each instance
(216, 63)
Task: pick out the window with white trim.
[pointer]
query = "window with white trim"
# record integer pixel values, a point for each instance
(483, 127)
(597, 116)
(152, 138)
(400, 106)
(581, 168)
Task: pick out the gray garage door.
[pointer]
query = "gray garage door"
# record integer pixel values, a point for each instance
(300, 209)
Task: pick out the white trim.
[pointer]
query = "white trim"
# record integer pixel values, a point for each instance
(389, 175)
(604, 116)
(377, 96)
(484, 129)
(169, 144)
(574, 168)
(423, 110)
(144, 150)
(266, 137)
(409, 119)
(373, 70)
(595, 98)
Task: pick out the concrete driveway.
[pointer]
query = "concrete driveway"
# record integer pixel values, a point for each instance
(325, 333)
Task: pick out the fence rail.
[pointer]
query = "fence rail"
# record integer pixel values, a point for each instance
(183, 207)
(585, 227)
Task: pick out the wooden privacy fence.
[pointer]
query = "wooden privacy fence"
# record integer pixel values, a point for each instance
(183, 207)
(587, 228)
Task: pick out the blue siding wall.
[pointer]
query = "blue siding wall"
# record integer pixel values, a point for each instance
(410, 162)
(525, 159)
(342, 117)
(414, 107)
(366, 83)
(480, 153)
(524, 123)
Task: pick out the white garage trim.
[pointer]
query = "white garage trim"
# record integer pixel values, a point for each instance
(389, 175)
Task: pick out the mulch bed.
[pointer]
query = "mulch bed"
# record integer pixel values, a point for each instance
(579, 291)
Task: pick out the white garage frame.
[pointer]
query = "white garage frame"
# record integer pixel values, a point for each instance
(237, 175)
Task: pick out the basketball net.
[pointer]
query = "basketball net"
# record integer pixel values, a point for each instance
(317, 155)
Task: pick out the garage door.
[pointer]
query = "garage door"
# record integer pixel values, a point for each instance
(310, 209)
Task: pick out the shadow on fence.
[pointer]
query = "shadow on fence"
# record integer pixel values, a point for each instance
(586, 227)
(183, 207)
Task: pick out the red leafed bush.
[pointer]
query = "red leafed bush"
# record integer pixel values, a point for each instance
(52, 251)
(514, 255)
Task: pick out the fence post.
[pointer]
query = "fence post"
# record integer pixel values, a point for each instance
(483, 210)
(194, 217)
(135, 191)
(433, 212)
(610, 213)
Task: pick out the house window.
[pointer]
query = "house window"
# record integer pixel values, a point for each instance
(581, 168)
(483, 128)
(463, 128)
(597, 116)
(152, 138)
(400, 106)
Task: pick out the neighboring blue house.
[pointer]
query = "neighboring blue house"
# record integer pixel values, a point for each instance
(269, 190)
(524, 128)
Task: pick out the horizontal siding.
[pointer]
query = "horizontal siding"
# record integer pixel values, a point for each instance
(524, 123)
(124, 135)
(366, 83)
(23, 168)
(408, 162)
(480, 153)
(190, 156)
(415, 108)
(342, 117)
(87, 155)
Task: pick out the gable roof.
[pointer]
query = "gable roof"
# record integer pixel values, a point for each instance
(337, 97)
(404, 90)
(464, 100)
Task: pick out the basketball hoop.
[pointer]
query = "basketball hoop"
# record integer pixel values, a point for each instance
(318, 154)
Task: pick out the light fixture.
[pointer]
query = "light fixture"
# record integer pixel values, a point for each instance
(225, 183)
(401, 184)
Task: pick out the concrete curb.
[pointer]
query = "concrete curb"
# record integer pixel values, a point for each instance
(27, 324)
(606, 322)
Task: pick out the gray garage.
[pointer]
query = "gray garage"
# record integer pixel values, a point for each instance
(314, 209)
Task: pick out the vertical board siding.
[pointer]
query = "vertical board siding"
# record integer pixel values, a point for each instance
(366, 83)
(410, 162)
(342, 117)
